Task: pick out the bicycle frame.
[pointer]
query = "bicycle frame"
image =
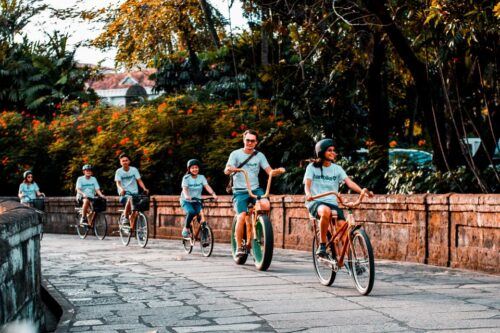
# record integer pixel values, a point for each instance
(199, 217)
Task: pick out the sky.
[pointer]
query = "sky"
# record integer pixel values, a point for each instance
(80, 31)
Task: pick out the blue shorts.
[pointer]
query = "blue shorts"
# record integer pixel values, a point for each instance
(123, 199)
(313, 209)
(242, 199)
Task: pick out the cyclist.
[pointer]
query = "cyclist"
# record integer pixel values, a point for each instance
(192, 187)
(28, 189)
(322, 176)
(251, 160)
(127, 178)
(86, 189)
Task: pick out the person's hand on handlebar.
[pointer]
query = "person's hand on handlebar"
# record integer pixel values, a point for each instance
(308, 197)
(231, 169)
(368, 193)
(188, 198)
(214, 196)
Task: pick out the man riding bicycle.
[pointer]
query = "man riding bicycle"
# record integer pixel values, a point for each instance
(127, 178)
(86, 189)
(252, 161)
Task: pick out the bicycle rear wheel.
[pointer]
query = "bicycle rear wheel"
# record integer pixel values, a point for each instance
(263, 243)
(100, 226)
(208, 245)
(234, 246)
(324, 270)
(362, 262)
(124, 232)
(81, 230)
(141, 230)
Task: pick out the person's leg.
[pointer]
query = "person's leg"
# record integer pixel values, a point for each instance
(325, 213)
(190, 214)
(240, 201)
(128, 207)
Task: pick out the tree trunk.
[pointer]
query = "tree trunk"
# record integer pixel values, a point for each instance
(207, 11)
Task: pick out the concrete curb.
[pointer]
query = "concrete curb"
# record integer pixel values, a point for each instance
(62, 307)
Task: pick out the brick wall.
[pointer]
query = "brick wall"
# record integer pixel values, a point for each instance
(19, 264)
(455, 230)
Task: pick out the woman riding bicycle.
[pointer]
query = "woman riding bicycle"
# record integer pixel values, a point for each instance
(28, 189)
(322, 176)
(192, 187)
(86, 189)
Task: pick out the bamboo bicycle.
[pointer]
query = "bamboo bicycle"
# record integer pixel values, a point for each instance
(207, 244)
(262, 244)
(140, 204)
(347, 238)
(96, 220)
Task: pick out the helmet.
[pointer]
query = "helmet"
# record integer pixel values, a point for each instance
(322, 146)
(86, 167)
(27, 173)
(192, 162)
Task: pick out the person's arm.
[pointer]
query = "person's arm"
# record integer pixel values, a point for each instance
(355, 187)
(79, 191)
(99, 193)
(120, 187)
(230, 165)
(211, 191)
(141, 184)
(40, 194)
(185, 190)
(20, 193)
(307, 189)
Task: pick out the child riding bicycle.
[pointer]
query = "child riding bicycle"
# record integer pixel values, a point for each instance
(192, 187)
(86, 189)
(322, 176)
(28, 189)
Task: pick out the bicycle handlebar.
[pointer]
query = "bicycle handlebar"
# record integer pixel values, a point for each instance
(200, 199)
(356, 203)
(274, 172)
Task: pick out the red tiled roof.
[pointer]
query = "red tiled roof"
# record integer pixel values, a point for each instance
(113, 80)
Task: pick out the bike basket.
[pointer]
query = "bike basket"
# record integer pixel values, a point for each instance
(38, 204)
(99, 205)
(140, 203)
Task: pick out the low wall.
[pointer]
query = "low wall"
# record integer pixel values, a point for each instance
(454, 230)
(19, 264)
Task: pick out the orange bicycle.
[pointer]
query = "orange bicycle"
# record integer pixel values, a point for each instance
(345, 238)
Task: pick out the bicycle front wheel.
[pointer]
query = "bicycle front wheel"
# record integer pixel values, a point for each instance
(81, 229)
(323, 266)
(207, 245)
(141, 230)
(362, 262)
(263, 243)
(125, 232)
(100, 226)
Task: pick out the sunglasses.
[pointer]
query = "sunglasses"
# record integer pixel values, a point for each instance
(250, 140)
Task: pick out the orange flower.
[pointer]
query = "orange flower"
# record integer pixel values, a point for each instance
(115, 115)
(421, 142)
(234, 134)
(393, 143)
(180, 111)
(136, 143)
(85, 159)
(189, 111)
(162, 107)
(35, 123)
(237, 102)
(145, 151)
(5, 160)
(99, 129)
(243, 127)
(279, 123)
(85, 104)
(254, 108)
(118, 152)
(124, 141)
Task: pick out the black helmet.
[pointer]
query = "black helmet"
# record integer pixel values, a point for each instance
(322, 146)
(27, 173)
(86, 167)
(192, 162)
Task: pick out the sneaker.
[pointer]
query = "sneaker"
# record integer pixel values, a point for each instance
(359, 269)
(124, 221)
(241, 251)
(84, 221)
(185, 233)
(321, 251)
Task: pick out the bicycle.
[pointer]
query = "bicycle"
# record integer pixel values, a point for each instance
(140, 204)
(38, 205)
(349, 238)
(96, 221)
(262, 244)
(207, 245)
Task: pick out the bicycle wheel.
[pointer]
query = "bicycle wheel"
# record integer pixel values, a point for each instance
(242, 259)
(263, 243)
(141, 230)
(124, 232)
(187, 243)
(324, 270)
(362, 262)
(208, 245)
(81, 230)
(100, 226)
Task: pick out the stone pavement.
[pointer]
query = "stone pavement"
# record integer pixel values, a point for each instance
(162, 289)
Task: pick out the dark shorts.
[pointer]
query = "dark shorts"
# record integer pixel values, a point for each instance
(79, 201)
(313, 209)
(123, 199)
(242, 199)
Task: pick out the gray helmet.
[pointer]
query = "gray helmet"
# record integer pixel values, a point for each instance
(86, 167)
(192, 162)
(27, 173)
(322, 146)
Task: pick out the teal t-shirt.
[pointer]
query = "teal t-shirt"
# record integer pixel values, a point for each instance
(29, 191)
(253, 167)
(87, 186)
(128, 179)
(326, 181)
(194, 185)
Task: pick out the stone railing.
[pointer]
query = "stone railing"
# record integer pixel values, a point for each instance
(19, 264)
(453, 230)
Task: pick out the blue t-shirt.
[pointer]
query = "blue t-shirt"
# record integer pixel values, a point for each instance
(87, 186)
(327, 181)
(194, 185)
(252, 167)
(29, 191)
(128, 180)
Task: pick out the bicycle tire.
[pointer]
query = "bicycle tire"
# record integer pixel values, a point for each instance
(263, 243)
(362, 261)
(100, 226)
(141, 230)
(242, 259)
(81, 230)
(125, 232)
(326, 275)
(207, 250)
